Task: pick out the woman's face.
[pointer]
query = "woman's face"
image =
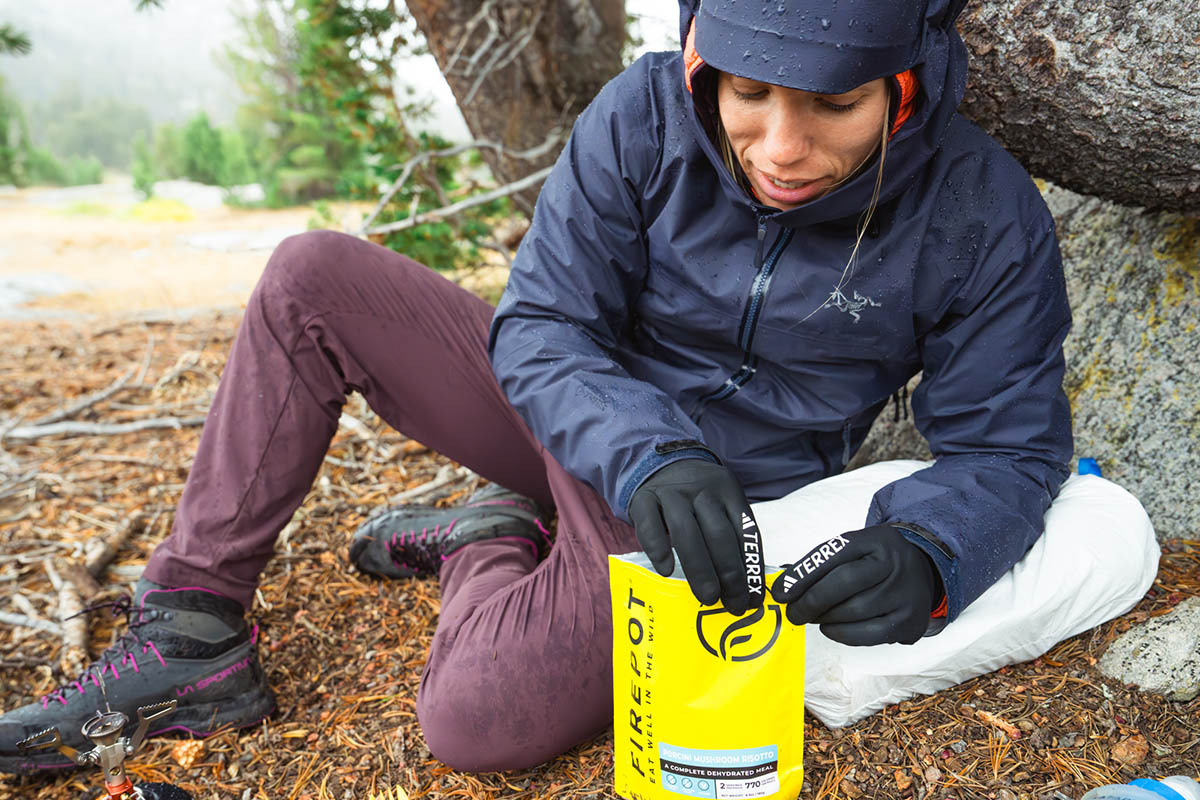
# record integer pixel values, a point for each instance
(795, 146)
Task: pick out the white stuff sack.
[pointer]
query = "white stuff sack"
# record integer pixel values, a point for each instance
(1096, 559)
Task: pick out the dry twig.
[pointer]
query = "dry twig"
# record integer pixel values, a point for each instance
(462, 205)
(84, 403)
(74, 655)
(33, 623)
(406, 169)
(101, 550)
(447, 475)
(29, 433)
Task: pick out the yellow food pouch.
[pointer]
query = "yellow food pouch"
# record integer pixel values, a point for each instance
(705, 704)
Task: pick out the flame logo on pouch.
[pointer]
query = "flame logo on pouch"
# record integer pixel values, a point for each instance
(757, 630)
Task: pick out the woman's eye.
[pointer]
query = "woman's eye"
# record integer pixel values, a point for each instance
(840, 108)
(743, 96)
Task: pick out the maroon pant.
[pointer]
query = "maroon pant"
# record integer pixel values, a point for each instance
(520, 668)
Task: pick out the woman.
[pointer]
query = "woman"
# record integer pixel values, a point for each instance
(744, 250)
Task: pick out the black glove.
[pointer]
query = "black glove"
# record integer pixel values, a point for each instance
(864, 587)
(699, 508)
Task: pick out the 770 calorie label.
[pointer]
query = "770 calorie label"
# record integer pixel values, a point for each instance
(727, 774)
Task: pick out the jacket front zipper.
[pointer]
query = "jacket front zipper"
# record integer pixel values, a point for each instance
(764, 270)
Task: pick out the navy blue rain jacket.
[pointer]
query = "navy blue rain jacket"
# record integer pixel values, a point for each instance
(656, 311)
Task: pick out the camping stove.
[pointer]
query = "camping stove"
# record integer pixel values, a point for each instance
(110, 751)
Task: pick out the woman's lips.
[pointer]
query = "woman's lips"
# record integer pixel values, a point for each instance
(801, 194)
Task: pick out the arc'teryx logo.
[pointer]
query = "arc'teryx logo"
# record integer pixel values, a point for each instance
(751, 636)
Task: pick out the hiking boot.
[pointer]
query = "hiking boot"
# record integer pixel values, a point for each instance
(413, 541)
(188, 645)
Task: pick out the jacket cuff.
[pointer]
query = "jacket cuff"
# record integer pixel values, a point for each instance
(947, 566)
(662, 454)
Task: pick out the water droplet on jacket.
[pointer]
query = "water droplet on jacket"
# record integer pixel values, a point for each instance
(825, 24)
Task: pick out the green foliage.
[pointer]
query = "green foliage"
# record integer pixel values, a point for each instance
(633, 38)
(236, 169)
(14, 42)
(14, 141)
(87, 126)
(198, 151)
(45, 168)
(144, 173)
(325, 121)
(168, 151)
(202, 154)
(322, 216)
(22, 164)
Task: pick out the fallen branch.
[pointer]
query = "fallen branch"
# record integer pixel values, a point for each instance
(99, 551)
(188, 362)
(78, 576)
(446, 476)
(87, 401)
(356, 426)
(24, 513)
(146, 359)
(478, 200)
(74, 655)
(111, 459)
(320, 634)
(34, 623)
(144, 322)
(16, 485)
(31, 432)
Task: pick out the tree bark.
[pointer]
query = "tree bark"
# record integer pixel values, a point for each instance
(521, 68)
(1099, 96)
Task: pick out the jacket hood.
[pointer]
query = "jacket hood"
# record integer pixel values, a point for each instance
(830, 46)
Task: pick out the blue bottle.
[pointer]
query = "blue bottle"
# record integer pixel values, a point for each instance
(1175, 787)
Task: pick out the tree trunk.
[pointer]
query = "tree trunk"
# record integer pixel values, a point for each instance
(520, 68)
(1099, 96)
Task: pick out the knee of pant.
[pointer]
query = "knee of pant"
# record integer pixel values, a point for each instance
(301, 265)
(463, 731)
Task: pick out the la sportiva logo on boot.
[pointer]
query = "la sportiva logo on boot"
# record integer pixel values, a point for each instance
(745, 638)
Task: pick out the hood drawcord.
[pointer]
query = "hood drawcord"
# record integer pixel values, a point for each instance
(845, 443)
(900, 403)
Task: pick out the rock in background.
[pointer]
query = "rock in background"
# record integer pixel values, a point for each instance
(1133, 372)
(1133, 356)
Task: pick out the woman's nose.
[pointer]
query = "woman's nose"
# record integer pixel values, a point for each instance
(788, 137)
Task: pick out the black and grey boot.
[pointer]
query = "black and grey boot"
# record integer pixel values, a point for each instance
(190, 645)
(413, 541)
